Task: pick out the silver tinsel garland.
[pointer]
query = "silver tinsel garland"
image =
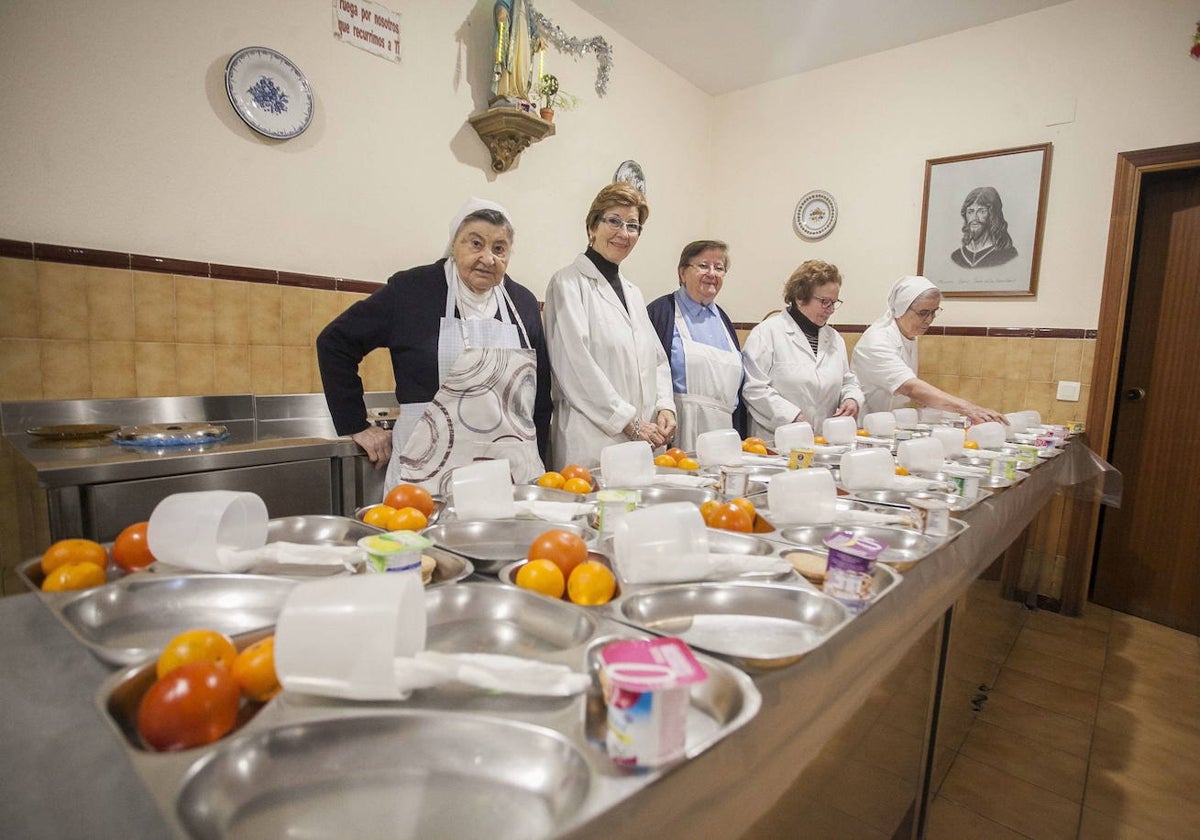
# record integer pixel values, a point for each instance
(576, 46)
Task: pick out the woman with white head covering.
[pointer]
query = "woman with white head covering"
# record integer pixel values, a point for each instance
(885, 358)
(468, 355)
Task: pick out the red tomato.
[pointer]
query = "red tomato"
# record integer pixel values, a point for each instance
(563, 548)
(195, 704)
(131, 551)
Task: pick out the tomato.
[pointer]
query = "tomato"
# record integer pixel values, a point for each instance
(411, 496)
(74, 551)
(542, 576)
(195, 704)
(196, 646)
(731, 517)
(575, 471)
(72, 576)
(254, 670)
(553, 480)
(406, 519)
(578, 485)
(591, 584)
(131, 551)
(676, 453)
(563, 548)
(665, 460)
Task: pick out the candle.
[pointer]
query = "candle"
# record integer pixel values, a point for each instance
(500, 44)
(541, 65)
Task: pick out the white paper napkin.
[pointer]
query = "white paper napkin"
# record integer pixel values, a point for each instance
(915, 482)
(291, 554)
(552, 511)
(870, 517)
(693, 567)
(682, 480)
(488, 671)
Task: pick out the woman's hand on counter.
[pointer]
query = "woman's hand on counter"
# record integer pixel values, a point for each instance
(377, 443)
(667, 425)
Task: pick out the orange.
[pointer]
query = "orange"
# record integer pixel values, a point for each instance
(74, 551)
(563, 548)
(378, 516)
(749, 443)
(578, 485)
(407, 519)
(410, 496)
(591, 584)
(131, 551)
(862, 433)
(71, 576)
(707, 509)
(196, 646)
(731, 517)
(676, 453)
(901, 470)
(755, 449)
(970, 444)
(819, 439)
(665, 461)
(553, 480)
(542, 576)
(746, 505)
(686, 463)
(575, 471)
(254, 670)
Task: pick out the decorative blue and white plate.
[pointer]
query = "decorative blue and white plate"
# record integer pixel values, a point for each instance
(816, 214)
(268, 92)
(631, 173)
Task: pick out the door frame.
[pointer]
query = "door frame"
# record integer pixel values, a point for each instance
(1122, 236)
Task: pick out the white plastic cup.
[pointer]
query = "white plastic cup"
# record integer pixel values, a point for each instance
(989, 435)
(868, 469)
(339, 636)
(839, 430)
(717, 447)
(880, 424)
(906, 418)
(659, 533)
(951, 437)
(483, 490)
(629, 464)
(802, 497)
(921, 455)
(794, 436)
(188, 529)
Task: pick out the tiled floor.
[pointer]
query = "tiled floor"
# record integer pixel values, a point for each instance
(1090, 730)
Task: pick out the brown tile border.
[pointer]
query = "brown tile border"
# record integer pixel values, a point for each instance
(16, 249)
(80, 256)
(244, 274)
(974, 332)
(165, 265)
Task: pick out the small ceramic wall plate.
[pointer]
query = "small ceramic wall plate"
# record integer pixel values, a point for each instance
(630, 172)
(816, 214)
(268, 92)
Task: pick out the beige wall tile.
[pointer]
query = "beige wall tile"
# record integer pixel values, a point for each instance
(265, 314)
(62, 300)
(929, 354)
(1012, 398)
(154, 306)
(974, 353)
(231, 313)
(1087, 359)
(969, 388)
(20, 369)
(296, 316)
(993, 361)
(232, 369)
(952, 353)
(18, 299)
(110, 304)
(1018, 356)
(66, 370)
(1040, 396)
(376, 371)
(266, 369)
(154, 367)
(195, 368)
(113, 370)
(194, 302)
(1068, 359)
(298, 364)
(326, 305)
(991, 393)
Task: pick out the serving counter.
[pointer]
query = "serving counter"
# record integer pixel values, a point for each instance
(64, 773)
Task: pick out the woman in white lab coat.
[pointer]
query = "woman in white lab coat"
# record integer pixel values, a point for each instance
(796, 365)
(611, 378)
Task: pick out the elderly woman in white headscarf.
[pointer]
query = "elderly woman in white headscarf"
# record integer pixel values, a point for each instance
(885, 358)
(468, 355)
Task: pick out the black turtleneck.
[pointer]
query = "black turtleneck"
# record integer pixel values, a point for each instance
(810, 330)
(610, 272)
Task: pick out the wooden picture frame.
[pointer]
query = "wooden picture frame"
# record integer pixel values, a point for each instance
(996, 253)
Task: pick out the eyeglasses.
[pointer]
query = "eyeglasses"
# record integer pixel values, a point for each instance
(632, 228)
(828, 303)
(705, 268)
(926, 314)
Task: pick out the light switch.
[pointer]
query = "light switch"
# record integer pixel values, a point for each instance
(1068, 391)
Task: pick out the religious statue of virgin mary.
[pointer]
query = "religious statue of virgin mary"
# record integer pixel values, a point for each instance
(512, 76)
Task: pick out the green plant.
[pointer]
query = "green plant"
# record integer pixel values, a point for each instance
(552, 96)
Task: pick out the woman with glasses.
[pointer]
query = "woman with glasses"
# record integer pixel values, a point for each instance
(796, 365)
(885, 358)
(702, 345)
(612, 380)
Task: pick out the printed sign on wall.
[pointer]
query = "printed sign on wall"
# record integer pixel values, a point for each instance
(368, 26)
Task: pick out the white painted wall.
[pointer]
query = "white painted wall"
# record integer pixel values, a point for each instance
(117, 134)
(1118, 72)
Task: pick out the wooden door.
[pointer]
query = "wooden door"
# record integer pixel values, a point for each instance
(1148, 559)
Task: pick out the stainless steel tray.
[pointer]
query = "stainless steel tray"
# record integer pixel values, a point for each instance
(756, 625)
(439, 504)
(883, 577)
(661, 495)
(508, 574)
(534, 493)
(446, 762)
(491, 544)
(900, 498)
(904, 547)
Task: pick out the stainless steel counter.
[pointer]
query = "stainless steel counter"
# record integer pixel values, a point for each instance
(723, 793)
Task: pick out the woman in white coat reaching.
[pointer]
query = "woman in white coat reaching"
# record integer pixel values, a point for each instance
(796, 365)
(611, 378)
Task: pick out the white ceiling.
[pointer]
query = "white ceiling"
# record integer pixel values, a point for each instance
(722, 45)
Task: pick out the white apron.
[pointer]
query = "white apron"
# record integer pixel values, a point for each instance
(483, 408)
(713, 377)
